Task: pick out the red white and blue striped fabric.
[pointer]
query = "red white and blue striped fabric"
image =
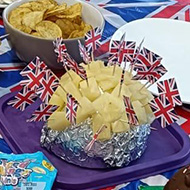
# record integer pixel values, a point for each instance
(116, 14)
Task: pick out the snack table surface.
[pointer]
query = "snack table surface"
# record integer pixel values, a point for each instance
(116, 14)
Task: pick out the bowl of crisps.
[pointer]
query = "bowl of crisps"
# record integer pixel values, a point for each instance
(33, 25)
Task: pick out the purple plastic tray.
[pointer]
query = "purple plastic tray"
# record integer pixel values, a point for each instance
(167, 149)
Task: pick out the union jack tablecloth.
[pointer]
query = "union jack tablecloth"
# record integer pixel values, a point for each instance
(116, 14)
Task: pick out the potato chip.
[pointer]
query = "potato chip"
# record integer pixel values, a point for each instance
(26, 5)
(16, 16)
(48, 29)
(56, 10)
(76, 34)
(72, 11)
(47, 19)
(87, 28)
(34, 6)
(52, 18)
(48, 3)
(40, 5)
(52, 2)
(77, 20)
(25, 29)
(32, 19)
(36, 34)
(81, 32)
(67, 26)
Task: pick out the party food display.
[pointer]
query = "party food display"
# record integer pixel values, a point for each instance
(47, 19)
(180, 180)
(99, 98)
(26, 171)
(98, 114)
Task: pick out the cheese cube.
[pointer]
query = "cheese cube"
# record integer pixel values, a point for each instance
(85, 110)
(57, 100)
(58, 121)
(124, 91)
(71, 75)
(98, 122)
(90, 90)
(72, 89)
(109, 108)
(121, 125)
(140, 112)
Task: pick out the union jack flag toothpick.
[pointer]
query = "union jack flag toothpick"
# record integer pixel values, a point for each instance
(136, 54)
(127, 52)
(163, 111)
(72, 64)
(122, 78)
(71, 109)
(83, 53)
(150, 54)
(151, 73)
(113, 57)
(43, 112)
(92, 39)
(145, 59)
(94, 139)
(122, 42)
(23, 99)
(60, 49)
(47, 86)
(130, 111)
(120, 57)
(33, 74)
(169, 89)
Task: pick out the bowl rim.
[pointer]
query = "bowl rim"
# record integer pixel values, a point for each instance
(6, 13)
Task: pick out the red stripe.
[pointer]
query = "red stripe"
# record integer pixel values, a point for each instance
(183, 1)
(183, 113)
(170, 93)
(12, 68)
(169, 11)
(102, 50)
(1, 22)
(109, 188)
(187, 18)
(101, 5)
(16, 88)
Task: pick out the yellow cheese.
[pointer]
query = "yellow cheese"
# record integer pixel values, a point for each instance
(57, 100)
(121, 125)
(98, 122)
(73, 90)
(85, 110)
(58, 121)
(90, 90)
(140, 112)
(124, 91)
(75, 78)
(109, 107)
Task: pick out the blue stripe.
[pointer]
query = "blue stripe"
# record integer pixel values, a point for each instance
(133, 13)
(133, 185)
(9, 78)
(138, 1)
(4, 148)
(2, 31)
(109, 30)
(9, 57)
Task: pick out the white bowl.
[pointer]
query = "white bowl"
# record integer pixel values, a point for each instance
(28, 46)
